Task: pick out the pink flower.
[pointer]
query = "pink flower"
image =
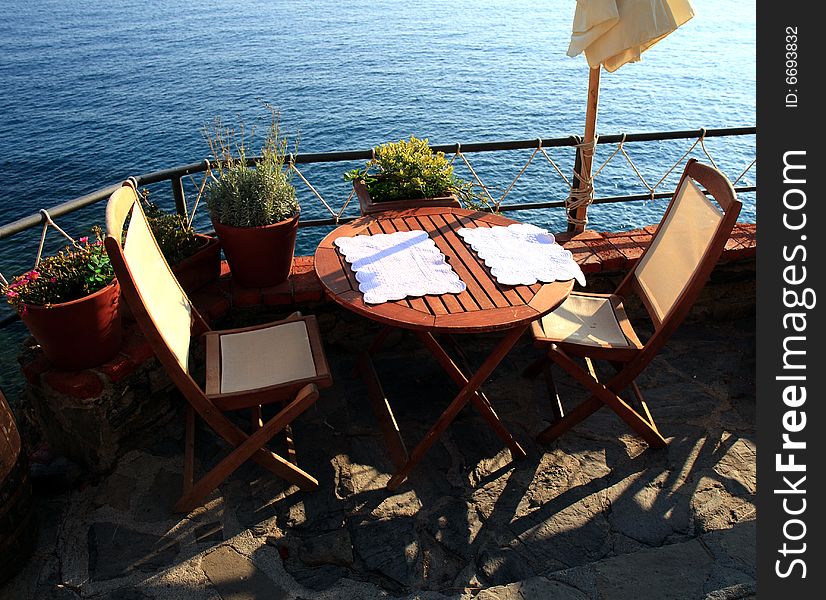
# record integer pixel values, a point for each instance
(53, 280)
(84, 239)
(12, 294)
(32, 275)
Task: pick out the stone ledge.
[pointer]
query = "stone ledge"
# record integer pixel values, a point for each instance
(598, 252)
(93, 415)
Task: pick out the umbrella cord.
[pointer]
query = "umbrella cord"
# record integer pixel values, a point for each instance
(583, 194)
(47, 220)
(200, 187)
(653, 189)
(310, 186)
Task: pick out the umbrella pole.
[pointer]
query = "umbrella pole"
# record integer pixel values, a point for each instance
(585, 158)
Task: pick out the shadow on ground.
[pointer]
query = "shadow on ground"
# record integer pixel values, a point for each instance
(594, 515)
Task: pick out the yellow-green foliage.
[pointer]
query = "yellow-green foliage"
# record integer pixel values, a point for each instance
(408, 169)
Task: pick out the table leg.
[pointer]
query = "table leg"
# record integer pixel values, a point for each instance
(379, 340)
(375, 345)
(383, 412)
(553, 394)
(479, 400)
(458, 403)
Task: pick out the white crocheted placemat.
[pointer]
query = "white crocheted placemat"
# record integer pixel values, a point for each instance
(392, 266)
(522, 254)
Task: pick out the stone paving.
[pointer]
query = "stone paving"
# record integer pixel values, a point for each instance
(593, 516)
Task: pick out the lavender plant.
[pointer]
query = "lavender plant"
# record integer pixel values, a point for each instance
(249, 192)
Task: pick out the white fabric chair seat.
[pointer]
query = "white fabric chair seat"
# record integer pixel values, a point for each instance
(587, 320)
(266, 357)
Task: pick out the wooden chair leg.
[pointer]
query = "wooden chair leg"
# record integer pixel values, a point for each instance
(189, 449)
(289, 442)
(245, 450)
(643, 405)
(553, 394)
(571, 419)
(381, 409)
(535, 368)
(225, 428)
(256, 419)
(605, 394)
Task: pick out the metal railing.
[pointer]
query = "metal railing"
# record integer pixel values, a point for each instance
(176, 176)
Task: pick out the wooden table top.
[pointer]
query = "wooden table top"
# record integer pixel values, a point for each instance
(486, 305)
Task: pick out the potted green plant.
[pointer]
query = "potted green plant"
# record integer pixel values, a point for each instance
(252, 204)
(70, 304)
(408, 173)
(195, 258)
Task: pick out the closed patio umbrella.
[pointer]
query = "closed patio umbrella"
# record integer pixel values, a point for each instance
(612, 33)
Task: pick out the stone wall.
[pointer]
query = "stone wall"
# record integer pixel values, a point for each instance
(93, 416)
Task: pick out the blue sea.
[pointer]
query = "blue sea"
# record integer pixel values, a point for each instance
(92, 92)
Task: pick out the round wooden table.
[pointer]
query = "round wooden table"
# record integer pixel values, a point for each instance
(484, 306)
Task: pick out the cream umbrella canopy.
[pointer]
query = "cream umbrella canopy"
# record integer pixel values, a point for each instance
(612, 33)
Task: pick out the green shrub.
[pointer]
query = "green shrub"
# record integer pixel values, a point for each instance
(176, 239)
(244, 195)
(409, 169)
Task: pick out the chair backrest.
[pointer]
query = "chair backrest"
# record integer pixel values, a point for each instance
(151, 289)
(687, 244)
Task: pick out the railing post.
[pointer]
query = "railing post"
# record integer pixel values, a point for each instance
(178, 194)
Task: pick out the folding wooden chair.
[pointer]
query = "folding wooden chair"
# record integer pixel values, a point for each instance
(667, 278)
(245, 368)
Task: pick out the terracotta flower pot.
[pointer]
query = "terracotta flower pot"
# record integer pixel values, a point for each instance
(201, 268)
(78, 334)
(259, 256)
(370, 205)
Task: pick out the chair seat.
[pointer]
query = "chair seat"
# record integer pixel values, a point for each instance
(589, 320)
(265, 357)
